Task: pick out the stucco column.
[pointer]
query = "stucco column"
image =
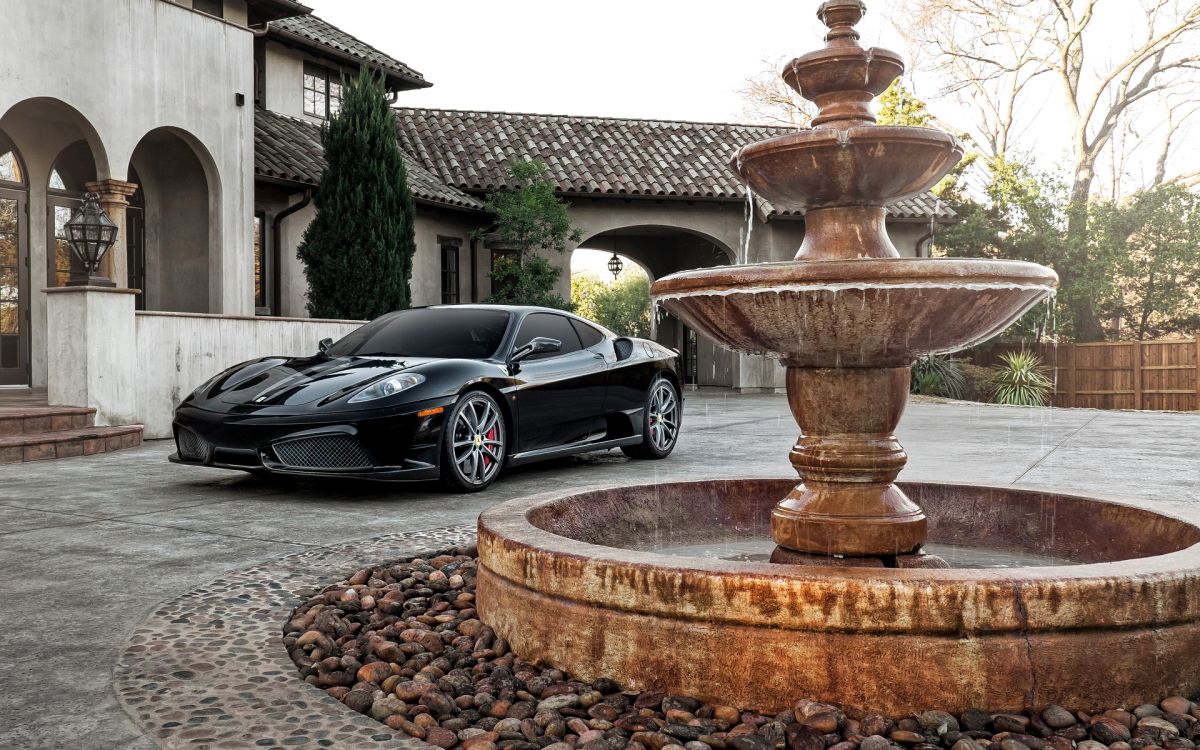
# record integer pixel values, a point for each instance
(91, 346)
(114, 198)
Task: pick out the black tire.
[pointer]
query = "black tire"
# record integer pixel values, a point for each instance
(474, 443)
(660, 427)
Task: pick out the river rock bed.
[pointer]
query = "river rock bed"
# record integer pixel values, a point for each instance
(402, 643)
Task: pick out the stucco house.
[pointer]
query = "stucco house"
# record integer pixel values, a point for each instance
(198, 122)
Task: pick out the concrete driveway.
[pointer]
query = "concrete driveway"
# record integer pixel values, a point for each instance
(89, 546)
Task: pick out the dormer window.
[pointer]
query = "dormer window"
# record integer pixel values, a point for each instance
(211, 7)
(322, 91)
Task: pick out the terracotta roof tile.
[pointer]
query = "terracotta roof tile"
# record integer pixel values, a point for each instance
(597, 155)
(326, 37)
(287, 148)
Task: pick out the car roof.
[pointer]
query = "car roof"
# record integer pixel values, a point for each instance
(483, 306)
(516, 310)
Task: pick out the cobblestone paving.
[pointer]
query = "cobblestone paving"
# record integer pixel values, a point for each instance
(208, 670)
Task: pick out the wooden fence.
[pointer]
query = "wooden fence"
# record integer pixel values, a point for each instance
(1119, 374)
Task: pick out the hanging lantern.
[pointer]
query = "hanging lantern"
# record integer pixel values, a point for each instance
(615, 266)
(91, 233)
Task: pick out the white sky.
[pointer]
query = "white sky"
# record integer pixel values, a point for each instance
(665, 59)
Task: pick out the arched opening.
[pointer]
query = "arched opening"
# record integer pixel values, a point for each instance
(48, 134)
(170, 258)
(661, 251)
(613, 290)
(59, 150)
(14, 276)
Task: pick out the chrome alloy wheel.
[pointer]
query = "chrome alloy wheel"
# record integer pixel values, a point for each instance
(478, 440)
(664, 415)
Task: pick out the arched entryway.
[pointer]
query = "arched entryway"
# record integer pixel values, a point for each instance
(173, 223)
(14, 277)
(58, 150)
(661, 251)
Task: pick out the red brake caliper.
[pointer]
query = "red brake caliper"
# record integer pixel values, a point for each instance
(491, 435)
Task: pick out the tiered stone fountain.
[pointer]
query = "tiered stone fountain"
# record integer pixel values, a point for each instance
(851, 608)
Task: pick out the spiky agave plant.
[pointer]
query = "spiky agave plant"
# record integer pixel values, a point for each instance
(1020, 380)
(936, 375)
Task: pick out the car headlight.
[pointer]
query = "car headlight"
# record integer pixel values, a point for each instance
(388, 387)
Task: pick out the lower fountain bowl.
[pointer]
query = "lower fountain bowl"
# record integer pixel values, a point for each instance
(1102, 608)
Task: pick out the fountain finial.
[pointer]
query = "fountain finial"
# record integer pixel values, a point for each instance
(841, 16)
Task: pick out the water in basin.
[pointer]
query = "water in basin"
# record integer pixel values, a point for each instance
(958, 556)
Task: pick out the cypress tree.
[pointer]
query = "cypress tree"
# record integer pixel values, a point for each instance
(358, 251)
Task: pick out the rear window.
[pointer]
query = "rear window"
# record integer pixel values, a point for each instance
(450, 333)
(589, 335)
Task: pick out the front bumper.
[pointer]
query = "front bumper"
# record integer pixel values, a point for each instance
(399, 446)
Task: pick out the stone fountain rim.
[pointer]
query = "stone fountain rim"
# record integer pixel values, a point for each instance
(867, 272)
(855, 52)
(808, 138)
(1114, 593)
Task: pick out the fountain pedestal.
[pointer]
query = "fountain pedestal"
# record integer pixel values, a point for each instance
(848, 459)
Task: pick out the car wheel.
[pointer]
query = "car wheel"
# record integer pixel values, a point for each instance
(474, 443)
(661, 419)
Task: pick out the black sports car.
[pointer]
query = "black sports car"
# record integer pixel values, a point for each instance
(455, 392)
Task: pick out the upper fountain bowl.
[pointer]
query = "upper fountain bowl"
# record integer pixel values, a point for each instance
(842, 79)
(867, 312)
(861, 166)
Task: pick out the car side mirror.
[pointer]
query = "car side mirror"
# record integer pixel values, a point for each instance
(539, 345)
(324, 344)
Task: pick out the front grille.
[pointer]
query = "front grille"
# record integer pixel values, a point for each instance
(192, 446)
(323, 452)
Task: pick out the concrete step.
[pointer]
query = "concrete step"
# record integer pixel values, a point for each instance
(85, 441)
(29, 420)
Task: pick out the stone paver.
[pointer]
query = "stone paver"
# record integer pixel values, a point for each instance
(91, 546)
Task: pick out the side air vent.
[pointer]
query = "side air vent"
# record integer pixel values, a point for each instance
(192, 447)
(624, 348)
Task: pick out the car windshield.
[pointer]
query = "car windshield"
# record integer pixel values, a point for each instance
(446, 332)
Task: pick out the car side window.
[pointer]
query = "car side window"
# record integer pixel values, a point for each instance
(550, 326)
(589, 335)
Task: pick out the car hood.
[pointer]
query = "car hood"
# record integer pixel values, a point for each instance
(305, 380)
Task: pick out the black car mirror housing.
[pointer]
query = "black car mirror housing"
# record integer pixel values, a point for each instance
(324, 344)
(538, 345)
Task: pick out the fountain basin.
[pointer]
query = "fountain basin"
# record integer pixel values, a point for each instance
(865, 165)
(575, 579)
(867, 312)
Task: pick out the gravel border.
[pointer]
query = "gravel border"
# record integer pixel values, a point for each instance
(209, 669)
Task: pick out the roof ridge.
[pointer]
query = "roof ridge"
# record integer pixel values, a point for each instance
(295, 26)
(592, 117)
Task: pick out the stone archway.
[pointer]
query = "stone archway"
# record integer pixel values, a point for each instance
(663, 250)
(179, 263)
(46, 132)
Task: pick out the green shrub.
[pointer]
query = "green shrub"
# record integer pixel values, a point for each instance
(977, 381)
(529, 283)
(622, 306)
(529, 217)
(937, 376)
(358, 250)
(1020, 380)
